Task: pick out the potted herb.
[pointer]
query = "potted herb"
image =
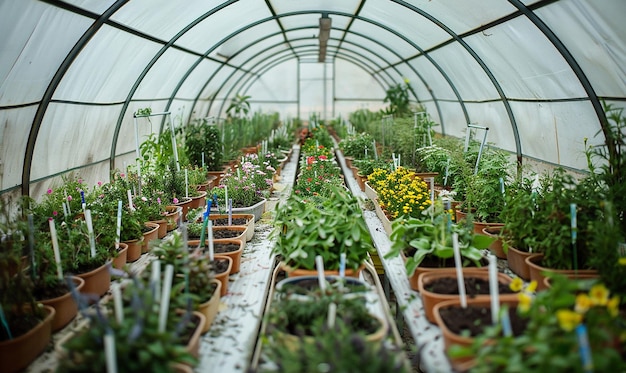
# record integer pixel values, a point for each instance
(325, 226)
(426, 243)
(555, 320)
(25, 324)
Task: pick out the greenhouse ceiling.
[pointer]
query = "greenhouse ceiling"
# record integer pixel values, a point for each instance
(72, 73)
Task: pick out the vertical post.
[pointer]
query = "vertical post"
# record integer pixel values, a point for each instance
(174, 148)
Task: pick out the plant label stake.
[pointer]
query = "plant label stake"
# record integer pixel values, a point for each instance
(375, 151)
(31, 246)
(92, 238)
(342, 265)
(69, 211)
(583, 347)
(55, 248)
(118, 229)
(165, 297)
(319, 264)
(109, 352)
(445, 179)
(226, 196)
(155, 279)
(332, 315)
(572, 209)
(210, 239)
(64, 210)
(117, 302)
(507, 331)
(5, 324)
(186, 183)
(230, 211)
(82, 200)
(130, 200)
(493, 288)
(202, 160)
(459, 269)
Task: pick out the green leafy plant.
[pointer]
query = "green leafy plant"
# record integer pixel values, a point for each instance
(239, 106)
(549, 342)
(398, 98)
(422, 238)
(358, 146)
(202, 138)
(326, 226)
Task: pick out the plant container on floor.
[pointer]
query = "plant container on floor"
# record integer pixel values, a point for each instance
(97, 281)
(18, 353)
(496, 246)
(173, 217)
(438, 286)
(151, 233)
(64, 305)
(122, 254)
(236, 219)
(222, 266)
(256, 210)
(538, 272)
(210, 308)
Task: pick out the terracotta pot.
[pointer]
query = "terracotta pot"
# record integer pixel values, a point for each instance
(479, 226)
(162, 231)
(217, 175)
(97, 281)
(65, 306)
(538, 273)
(234, 255)
(517, 262)
(413, 283)
(17, 354)
(450, 338)
(185, 203)
(224, 276)
(431, 299)
(198, 201)
(122, 254)
(135, 248)
(240, 229)
(249, 218)
(296, 272)
(193, 346)
(173, 217)
(496, 246)
(210, 308)
(149, 236)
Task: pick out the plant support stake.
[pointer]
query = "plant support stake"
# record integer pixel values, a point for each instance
(493, 288)
(459, 269)
(55, 248)
(319, 264)
(165, 297)
(572, 208)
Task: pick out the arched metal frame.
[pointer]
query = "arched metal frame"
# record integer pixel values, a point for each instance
(527, 11)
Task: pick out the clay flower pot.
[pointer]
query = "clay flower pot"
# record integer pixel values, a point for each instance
(537, 272)
(122, 254)
(210, 308)
(16, 354)
(97, 281)
(134, 249)
(249, 222)
(496, 246)
(224, 275)
(517, 262)
(297, 272)
(149, 236)
(431, 299)
(65, 306)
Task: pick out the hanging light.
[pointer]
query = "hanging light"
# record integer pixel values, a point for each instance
(324, 35)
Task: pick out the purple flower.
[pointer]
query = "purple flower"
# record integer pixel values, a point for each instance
(49, 191)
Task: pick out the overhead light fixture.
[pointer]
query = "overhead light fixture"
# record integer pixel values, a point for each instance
(324, 35)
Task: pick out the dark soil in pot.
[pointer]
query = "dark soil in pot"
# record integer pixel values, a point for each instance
(225, 233)
(473, 286)
(52, 290)
(224, 221)
(475, 318)
(219, 248)
(220, 266)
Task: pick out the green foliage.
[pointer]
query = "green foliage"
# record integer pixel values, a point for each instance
(204, 138)
(355, 146)
(398, 98)
(367, 166)
(421, 238)
(549, 342)
(239, 106)
(326, 227)
(139, 346)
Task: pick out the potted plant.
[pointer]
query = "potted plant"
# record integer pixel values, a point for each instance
(291, 321)
(26, 325)
(555, 320)
(325, 226)
(426, 243)
(140, 343)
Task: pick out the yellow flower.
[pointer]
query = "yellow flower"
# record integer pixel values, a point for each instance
(532, 286)
(583, 302)
(516, 285)
(599, 295)
(622, 261)
(568, 319)
(524, 302)
(612, 306)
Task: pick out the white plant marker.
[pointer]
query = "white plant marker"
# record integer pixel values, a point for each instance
(459, 269)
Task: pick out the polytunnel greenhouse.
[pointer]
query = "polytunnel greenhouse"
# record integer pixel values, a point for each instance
(312, 186)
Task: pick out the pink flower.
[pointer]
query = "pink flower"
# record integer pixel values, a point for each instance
(122, 175)
(144, 199)
(175, 200)
(80, 181)
(50, 219)
(99, 183)
(49, 191)
(54, 213)
(159, 200)
(323, 157)
(69, 198)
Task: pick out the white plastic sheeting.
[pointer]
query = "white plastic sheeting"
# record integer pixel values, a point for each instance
(72, 73)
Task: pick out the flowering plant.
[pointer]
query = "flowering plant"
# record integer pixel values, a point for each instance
(400, 192)
(311, 147)
(62, 203)
(557, 319)
(246, 187)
